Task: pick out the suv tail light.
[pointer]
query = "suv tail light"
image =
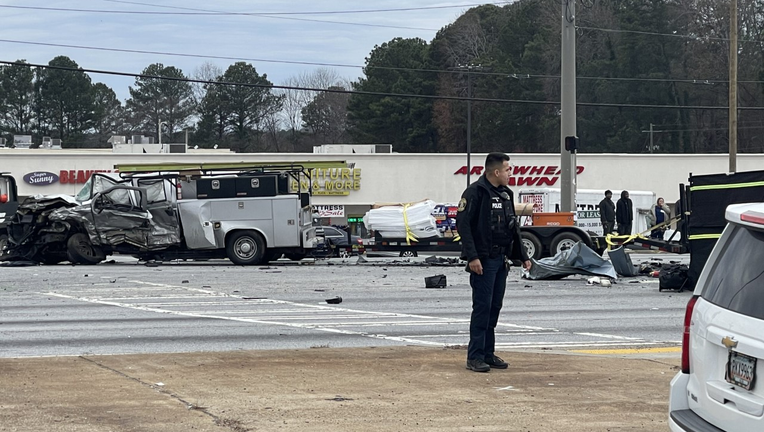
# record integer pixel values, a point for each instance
(686, 335)
(752, 216)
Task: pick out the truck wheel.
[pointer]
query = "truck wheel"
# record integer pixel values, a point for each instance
(532, 245)
(563, 241)
(408, 254)
(295, 256)
(245, 248)
(79, 250)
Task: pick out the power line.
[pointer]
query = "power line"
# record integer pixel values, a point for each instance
(701, 130)
(336, 12)
(518, 76)
(744, 123)
(369, 93)
(272, 15)
(215, 14)
(676, 35)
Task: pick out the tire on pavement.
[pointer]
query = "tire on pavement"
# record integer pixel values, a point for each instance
(245, 248)
(80, 250)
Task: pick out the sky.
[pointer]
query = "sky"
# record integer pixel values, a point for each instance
(296, 31)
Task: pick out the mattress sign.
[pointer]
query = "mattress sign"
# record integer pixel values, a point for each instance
(325, 211)
(41, 178)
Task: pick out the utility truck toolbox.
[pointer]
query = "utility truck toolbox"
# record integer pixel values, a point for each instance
(256, 186)
(216, 188)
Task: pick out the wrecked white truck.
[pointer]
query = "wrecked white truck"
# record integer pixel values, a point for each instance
(165, 212)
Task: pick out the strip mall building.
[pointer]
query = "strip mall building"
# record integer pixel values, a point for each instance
(388, 177)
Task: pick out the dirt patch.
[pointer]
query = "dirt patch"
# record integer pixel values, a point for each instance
(370, 389)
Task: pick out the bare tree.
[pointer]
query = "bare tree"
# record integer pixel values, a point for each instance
(271, 126)
(294, 101)
(206, 72)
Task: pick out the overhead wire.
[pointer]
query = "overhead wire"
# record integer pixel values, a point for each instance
(676, 35)
(701, 129)
(518, 76)
(370, 93)
(335, 12)
(39, 8)
(272, 15)
(510, 75)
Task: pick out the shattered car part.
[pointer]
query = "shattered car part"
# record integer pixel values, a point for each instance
(579, 259)
(52, 229)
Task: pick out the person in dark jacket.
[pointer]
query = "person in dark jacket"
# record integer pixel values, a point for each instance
(490, 235)
(624, 214)
(607, 213)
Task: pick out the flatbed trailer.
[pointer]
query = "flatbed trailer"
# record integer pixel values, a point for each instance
(539, 242)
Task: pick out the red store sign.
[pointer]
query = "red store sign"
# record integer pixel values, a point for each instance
(78, 176)
(526, 175)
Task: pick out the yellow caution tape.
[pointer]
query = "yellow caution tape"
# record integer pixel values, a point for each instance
(626, 238)
(631, 237)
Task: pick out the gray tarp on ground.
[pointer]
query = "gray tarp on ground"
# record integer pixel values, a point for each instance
(577, 260)
(622, 262)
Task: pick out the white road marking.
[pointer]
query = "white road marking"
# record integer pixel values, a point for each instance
(203, 303)
(607, 336)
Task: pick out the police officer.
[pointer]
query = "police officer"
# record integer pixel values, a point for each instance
(490, 238)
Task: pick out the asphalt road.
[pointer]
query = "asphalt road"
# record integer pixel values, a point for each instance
(126, 307)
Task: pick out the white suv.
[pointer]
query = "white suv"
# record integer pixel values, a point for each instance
(723, 341)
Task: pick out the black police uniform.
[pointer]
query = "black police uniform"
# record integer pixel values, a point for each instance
(489, 231)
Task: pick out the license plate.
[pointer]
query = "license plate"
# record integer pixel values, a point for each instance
(741, 370)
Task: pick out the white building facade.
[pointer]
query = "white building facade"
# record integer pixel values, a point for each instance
(390, 177)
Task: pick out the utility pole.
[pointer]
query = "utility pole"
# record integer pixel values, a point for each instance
(469, 69)
(469, 124)
(652, 133)
(733, 87)
(568, 105)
